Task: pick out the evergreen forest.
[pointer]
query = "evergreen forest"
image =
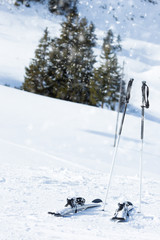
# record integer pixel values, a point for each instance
(64, 67)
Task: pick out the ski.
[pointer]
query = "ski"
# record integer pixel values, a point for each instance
(75, 205)
(123, 212)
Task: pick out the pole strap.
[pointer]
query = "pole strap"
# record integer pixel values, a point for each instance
(145, 95)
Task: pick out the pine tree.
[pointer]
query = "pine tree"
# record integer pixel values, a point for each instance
(26, 2)
(57, 70)
(36, 75)
(108, 75)
(72, 59)
(61, 7)
(86, 67)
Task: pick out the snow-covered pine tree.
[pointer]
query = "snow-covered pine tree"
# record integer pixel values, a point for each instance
(108, 75)
(87, 40)
(72, 59)
(61, 7)
(26, 2)
(37, 79)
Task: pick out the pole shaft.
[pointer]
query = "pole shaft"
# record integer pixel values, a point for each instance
(115, 137)
(117, 144)
(111, 171)
(114, 156)
(141, 159)
(140, 176)
(122, 121)
(119, 105)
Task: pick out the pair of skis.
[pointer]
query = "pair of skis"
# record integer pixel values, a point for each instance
(75, 205)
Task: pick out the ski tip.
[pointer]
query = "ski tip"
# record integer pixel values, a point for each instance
(118, 220)
(55, 214)
(52, 213)
(97, 200)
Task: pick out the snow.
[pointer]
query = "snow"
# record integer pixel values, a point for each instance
(53, 149)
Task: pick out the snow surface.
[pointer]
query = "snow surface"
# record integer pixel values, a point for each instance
(52, 149)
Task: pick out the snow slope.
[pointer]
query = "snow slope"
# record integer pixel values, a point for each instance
(20, 31)
(52, 149)
(137, 22)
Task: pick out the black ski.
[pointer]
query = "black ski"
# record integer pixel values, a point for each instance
(123, 212)
(75, 205)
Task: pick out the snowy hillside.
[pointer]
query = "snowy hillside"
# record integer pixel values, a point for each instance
(137, 22)
(52, 149)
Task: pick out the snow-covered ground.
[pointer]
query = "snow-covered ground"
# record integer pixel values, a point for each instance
(52, 149)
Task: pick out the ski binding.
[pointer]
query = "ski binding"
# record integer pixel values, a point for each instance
(123, 211)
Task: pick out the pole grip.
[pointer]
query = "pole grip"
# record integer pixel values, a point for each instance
(145, 95)
(129, 90)
(128, 93)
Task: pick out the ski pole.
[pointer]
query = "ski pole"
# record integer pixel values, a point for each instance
(119, 135)
(119, 103)
(115, 137)
(145, 104)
